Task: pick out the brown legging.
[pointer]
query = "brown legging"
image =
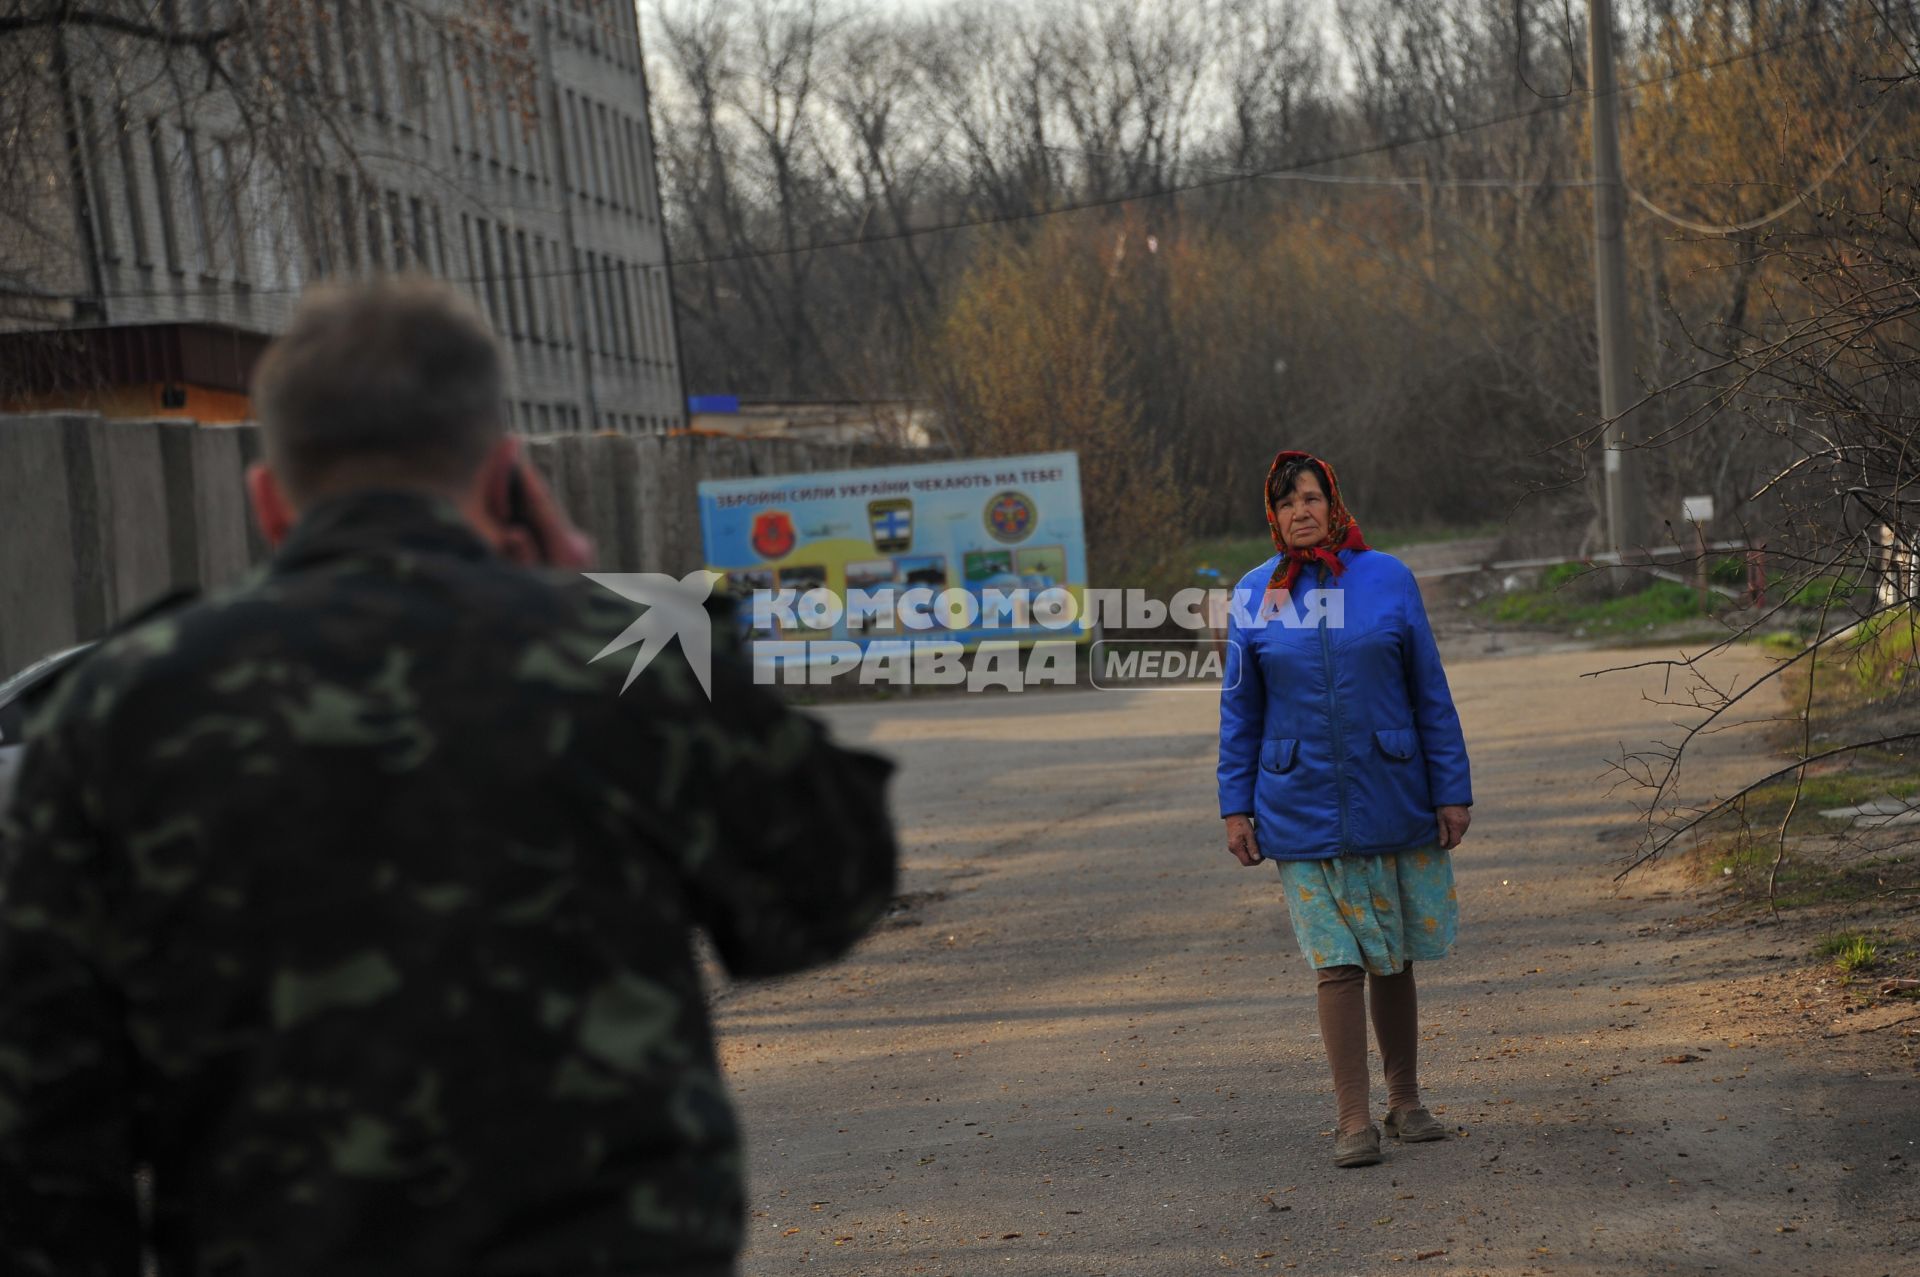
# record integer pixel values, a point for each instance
(1343, 1030)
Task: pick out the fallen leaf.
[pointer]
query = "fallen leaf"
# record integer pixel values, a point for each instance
(1430, 1254)
(1680, 1059)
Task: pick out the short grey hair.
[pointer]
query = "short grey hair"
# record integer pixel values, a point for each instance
(396, 381)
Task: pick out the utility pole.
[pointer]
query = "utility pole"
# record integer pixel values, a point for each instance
(1626, 498)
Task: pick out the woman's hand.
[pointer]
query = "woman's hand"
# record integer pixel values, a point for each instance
(1453, 822)
(1241, 842)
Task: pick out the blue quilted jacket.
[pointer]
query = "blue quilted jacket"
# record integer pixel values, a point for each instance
(1337, 731)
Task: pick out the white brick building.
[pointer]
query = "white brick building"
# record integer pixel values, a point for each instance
(546, 209)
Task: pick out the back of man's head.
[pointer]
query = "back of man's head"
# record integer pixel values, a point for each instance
(395, 382)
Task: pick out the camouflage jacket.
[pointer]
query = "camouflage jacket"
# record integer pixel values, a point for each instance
(355, 904)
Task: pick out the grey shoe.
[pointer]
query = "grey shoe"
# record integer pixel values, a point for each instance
(1414, 1126)
(1361, 1148)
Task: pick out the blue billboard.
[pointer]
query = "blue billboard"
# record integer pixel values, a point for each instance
(991, 528)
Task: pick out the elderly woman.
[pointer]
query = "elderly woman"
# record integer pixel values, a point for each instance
(1342, 760)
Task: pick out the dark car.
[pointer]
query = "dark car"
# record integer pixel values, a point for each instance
(20, 695)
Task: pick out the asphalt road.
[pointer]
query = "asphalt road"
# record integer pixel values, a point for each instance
(1089, 1046)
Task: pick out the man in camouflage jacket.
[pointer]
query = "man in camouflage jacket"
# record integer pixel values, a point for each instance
(353, 905)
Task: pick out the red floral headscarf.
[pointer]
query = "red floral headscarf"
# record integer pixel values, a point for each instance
(1343, 533)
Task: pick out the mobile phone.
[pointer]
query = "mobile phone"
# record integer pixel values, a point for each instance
(519, 512)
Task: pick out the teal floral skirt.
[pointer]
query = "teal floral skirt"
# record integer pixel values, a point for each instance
(1377, 912)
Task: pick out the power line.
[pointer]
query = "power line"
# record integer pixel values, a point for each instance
(1800, 197)
(1290, 171)
(1365, 179)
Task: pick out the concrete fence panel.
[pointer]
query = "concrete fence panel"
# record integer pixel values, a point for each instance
(131, 512)
(207, 517)
(97, 517)
(617, 487)
(36, 541)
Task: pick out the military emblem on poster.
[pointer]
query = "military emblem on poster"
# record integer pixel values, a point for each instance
(891, 522)
(773, 536)
(1010, 516)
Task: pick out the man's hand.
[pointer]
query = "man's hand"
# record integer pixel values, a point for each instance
(1241, 842)
(1453, 822)
(529, 527)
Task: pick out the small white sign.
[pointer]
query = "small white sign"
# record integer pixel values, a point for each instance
(1697, 509)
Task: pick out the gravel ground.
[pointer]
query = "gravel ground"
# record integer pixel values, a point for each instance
(1086, 1044)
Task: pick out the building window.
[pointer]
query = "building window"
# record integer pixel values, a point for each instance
(539, 138)
(473, 257)
(637, 156)
(417, 228)
(344, 220)
(662, 314)
(130, 176)
(265, 226)
(374, 37)
(484, 235)
(583, 280)
(323, 50)
(556, 291)
(622, 160)
(507, 290)
(439, 243)
(590, 142)
(605, 314)
(313, 217)
(519, 153)
(163, 190)
(649, 340)
(617, 320)
(597, 279)
(576, 179)
(397, 231)
(388, 57)
(616, 329)
(526, 283)
(622, 303)
(97, 183)
(473, 93)
(449, 98)
(484, 111)
(187, 164)
(542, 304)
(376, 233)
(350, 43)
(617, 180)
(232, 231)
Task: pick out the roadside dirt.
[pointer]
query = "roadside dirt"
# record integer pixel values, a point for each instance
(1086, 1045)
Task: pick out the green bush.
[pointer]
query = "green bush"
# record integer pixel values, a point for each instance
(1729, 570)
(1560, 574)
(1827, 592)
(1661, 603)
(1884, 653)
(1849, 950)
